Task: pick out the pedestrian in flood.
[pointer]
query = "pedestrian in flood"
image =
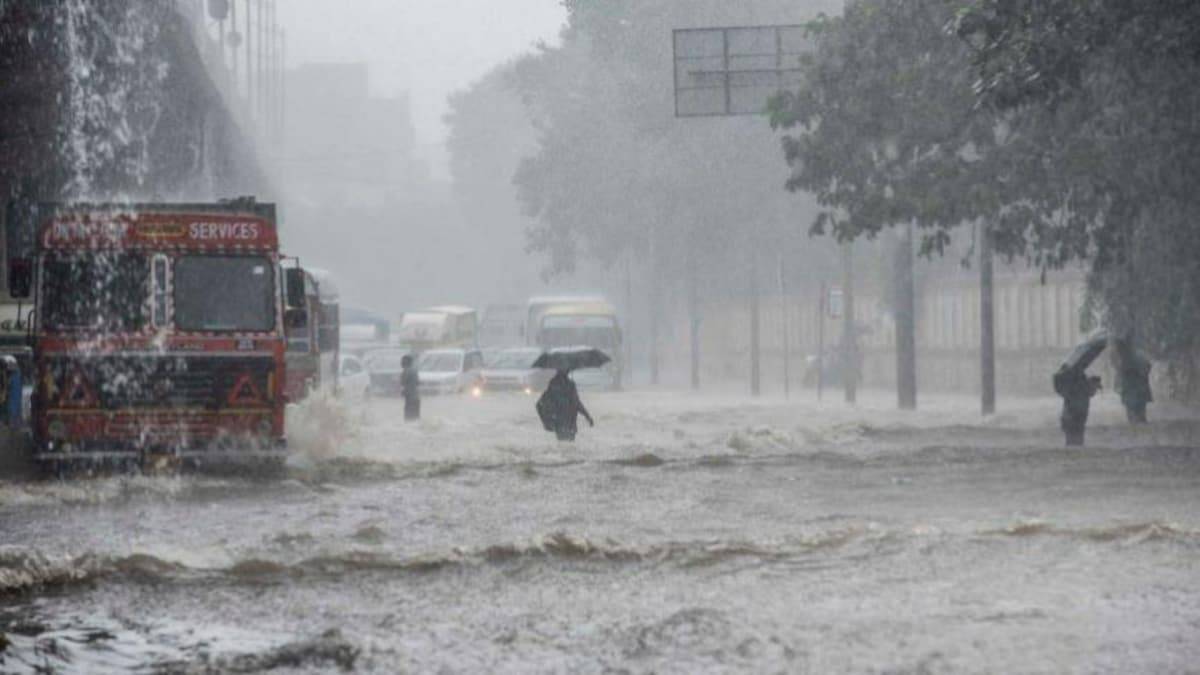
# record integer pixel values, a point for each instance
(1076, 388)
(560, 407)
(410, 388)
(1133, 380)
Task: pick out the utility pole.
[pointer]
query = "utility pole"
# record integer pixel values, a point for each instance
(783, 322)
(249, 65)
(987, 324)
(627, 337)
(849, 333)
(233, 45)
(693, 316)
(655, 308)
(906, 325)
(821, 341)
(755, 369)
(262, 70)
(282, 89)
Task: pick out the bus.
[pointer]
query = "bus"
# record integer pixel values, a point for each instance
(590, 323)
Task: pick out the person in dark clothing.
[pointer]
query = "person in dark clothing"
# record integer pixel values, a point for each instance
(410, 388)
(1133, 381)
(1076, 389)
(560, 407)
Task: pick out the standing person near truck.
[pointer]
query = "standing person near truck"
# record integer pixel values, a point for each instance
(410, 388)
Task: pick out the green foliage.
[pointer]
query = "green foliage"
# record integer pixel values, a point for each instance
(889, 128)
(1068, 126)
(616, 174)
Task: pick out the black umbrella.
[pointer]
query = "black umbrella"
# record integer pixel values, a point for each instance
(1082, 356)
(571, 358)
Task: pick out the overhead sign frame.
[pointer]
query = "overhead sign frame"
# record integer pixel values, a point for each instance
(733, 70)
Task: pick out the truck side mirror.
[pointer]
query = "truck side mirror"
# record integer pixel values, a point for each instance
(295, 318)
(20, 278)
(293, 281)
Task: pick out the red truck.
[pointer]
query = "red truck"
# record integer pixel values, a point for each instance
(158, 332)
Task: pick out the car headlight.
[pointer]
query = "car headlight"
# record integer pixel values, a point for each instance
(477, 391)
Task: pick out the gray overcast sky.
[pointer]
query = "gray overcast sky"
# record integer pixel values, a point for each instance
(428, 48)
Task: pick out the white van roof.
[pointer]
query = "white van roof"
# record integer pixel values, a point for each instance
(451, 309)
(551, 299)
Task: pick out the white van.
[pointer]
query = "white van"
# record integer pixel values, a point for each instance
(444, 326)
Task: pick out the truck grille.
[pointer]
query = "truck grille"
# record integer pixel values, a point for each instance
(176, 381)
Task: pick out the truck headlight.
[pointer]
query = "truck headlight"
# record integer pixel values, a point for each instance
(57, 429)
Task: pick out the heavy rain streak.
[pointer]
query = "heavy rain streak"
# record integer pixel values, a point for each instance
(599, 336)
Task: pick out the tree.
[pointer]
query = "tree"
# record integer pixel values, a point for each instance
(1108, 88)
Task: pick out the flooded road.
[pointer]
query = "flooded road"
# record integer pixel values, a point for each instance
(682, 534)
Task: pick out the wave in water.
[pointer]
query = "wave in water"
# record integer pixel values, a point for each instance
(23, 570)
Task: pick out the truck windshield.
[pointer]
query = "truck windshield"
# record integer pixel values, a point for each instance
(224, 293)
(101, 292)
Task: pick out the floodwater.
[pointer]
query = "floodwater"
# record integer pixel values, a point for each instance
(684, 534)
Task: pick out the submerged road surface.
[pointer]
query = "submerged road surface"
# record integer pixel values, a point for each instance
(683, 534)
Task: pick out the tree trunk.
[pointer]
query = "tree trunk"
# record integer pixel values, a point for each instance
(849, 333)
(906, 325)
(987, 335)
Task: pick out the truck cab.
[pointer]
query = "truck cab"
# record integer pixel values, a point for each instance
(158, 331)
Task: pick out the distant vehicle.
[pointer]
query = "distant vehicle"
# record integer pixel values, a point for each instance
(360, 331)
(590, 323)
(538, 305)
(439, 327)
(502, 326)
(450, 371)
(512, 370)
(383, 370)
(158, 333)
(313, 343)
(353, 380)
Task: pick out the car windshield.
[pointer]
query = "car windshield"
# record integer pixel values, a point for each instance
(104, 292)
(514, 359)
(383, 361)
(440, 362)
(224, 293)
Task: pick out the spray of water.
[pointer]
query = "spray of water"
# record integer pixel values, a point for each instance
(114, 95)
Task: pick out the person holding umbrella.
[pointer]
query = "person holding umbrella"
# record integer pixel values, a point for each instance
(1077, 388)
(559, 406)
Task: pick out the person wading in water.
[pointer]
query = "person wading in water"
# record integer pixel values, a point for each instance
(410, 388)
(560, 407)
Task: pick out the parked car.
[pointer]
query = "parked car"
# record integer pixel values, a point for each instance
(353, 379)
(512, 370)
(383, 370)
(449, 371)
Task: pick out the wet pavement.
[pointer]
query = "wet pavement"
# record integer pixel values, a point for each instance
(683, 534)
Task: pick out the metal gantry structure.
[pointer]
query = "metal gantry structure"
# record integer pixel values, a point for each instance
(245, 49)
